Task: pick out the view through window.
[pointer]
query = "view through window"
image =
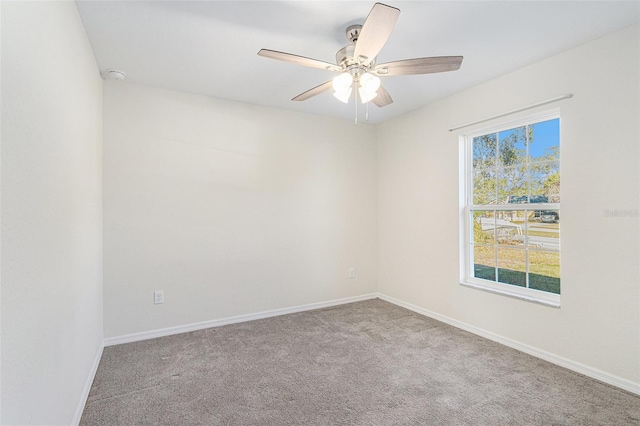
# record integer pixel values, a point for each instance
(513, 208)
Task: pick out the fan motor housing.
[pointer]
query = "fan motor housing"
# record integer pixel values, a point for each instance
(344, 57)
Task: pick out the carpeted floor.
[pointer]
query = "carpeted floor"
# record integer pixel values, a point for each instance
(365, 363)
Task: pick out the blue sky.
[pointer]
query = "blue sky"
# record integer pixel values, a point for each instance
(545, 135)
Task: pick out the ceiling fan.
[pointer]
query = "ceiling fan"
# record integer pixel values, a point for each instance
(356, 62)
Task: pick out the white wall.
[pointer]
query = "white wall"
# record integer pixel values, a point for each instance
(598, 324)
(234, 209)
(51, 212)
(230, 209)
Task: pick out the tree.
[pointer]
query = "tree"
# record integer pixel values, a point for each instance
(503, 174)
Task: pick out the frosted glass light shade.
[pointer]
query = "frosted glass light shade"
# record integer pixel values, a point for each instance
(365, 96)
(369, 82)
(342, 82)
(344, 95)
(369, 85)
(342, 86)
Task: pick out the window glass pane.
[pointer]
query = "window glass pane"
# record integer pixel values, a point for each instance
(514, 169)
(512, 185)
(544, 271)
(484, 227)
(543, 230)
(510, 227)
(484, 262)
(512, 266)
(484, 151)
(512, 147)
(544, 141)
(484, 187)
(544, 182)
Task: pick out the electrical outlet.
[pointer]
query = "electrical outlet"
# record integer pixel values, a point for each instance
(158, 297)
(352, 272)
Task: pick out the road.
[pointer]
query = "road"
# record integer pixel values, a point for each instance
(544, 242)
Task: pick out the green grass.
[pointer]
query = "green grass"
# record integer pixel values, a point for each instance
(544, 283)
(544, 273)
(542, 234)
(508, 276)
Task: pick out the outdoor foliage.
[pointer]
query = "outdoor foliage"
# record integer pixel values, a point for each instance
(504, 172)
(517, 166)
(544, 273)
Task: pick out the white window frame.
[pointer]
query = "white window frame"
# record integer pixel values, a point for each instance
(466, 206)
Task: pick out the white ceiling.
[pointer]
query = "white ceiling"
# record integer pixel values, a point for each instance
(210, 47)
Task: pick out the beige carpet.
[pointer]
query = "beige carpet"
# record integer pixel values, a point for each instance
(365, 363)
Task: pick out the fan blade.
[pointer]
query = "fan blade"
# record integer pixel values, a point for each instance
(375, 32)
(383, 98)
(300, 60)
(419, 66)
(312, 92)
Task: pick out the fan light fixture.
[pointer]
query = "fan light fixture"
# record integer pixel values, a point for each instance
(342, 85)
(356, 64)
(344, 95)
(368, 85)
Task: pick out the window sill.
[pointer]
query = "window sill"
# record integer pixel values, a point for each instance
(506, 292)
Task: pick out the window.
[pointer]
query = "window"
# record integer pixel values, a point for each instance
(511, 213)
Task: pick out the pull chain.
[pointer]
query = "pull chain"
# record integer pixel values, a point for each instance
(355, 89)
(366, 113)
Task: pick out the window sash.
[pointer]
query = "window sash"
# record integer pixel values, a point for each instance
(514, 207)
(467, 278)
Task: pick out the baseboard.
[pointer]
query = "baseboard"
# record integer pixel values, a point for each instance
(152, 334)
(538, 353)
(87, 387)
